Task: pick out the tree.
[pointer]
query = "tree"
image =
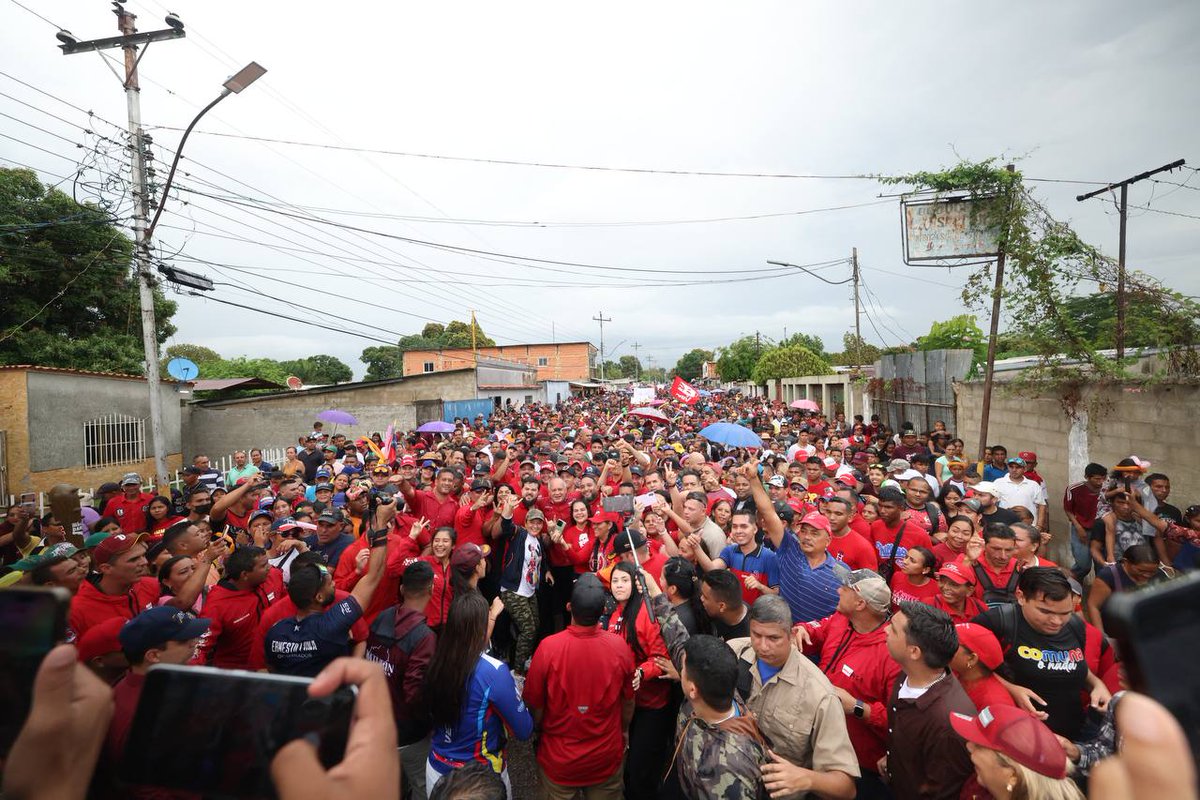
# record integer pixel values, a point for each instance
(241, 367)
(691, 363)
(956, 333)
(856, 351)
(193, 352)
(736, 362)
(789, 362)
(70, 297)
(383, 361)
(433, 330)
(612, 370)
(630, 366)
(810, 342)
(319, 369)
(655, 374)
(458, 334)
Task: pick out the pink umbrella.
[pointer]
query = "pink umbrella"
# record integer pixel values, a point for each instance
(651, 413)
(804, 405)
(656, 403)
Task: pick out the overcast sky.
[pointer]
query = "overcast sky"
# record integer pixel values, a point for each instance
(1093, 90)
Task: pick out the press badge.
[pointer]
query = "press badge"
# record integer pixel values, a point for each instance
(847, 671)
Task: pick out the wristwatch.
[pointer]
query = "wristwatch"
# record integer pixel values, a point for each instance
(860, 709)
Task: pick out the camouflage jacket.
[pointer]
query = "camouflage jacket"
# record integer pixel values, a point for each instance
(714, 762)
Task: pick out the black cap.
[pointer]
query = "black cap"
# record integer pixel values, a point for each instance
(621, 543)
(331, 515)
(108, 487)
(785, 511)
(587, 599)
(480, 485)
(186, 471)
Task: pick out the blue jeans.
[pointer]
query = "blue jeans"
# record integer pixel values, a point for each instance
(1081, 554)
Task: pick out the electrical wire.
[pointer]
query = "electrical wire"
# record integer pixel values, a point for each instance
(36, 14)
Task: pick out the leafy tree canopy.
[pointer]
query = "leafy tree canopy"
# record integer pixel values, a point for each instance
(70, 298)
(319, 369)
(630, 366)
(691, 363)
(787, 362)
(388, 361)
(956, 333)
(736, 362)
(810, 342)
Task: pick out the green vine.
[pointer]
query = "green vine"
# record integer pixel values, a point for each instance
(1045, 262)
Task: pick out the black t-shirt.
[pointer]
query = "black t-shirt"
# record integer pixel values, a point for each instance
(311, 461)
(1052, 666)
(728, 632)
(1000, 515)
(687, 616)
(1168, 511)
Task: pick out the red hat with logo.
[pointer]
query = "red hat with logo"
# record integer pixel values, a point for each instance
(817, 520)
(1016, 734)
(955, 571)
(605, 516)
(1027, 455)
(408, 460)
(982, 642)
(114, 546)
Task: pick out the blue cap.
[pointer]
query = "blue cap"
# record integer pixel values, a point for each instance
(160, 624)
(324, 472)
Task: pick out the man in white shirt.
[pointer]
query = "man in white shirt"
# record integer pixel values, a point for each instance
(1014, 489)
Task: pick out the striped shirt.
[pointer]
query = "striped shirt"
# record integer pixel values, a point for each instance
(811, 592)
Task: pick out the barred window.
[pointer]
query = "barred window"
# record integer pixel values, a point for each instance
(543, 361)
(428, 365)
(115, 439)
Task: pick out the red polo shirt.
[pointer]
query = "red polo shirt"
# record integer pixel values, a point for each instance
(579, 679)
(130, 513)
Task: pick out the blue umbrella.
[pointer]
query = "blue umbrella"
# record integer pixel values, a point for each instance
(731, 435)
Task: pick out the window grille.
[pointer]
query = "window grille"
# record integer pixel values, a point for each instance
(428, 366)
(115, 439)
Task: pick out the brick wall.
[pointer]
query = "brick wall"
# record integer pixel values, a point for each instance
(1157, 424)
(565, 361)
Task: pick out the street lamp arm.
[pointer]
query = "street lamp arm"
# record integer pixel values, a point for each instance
(175, 162)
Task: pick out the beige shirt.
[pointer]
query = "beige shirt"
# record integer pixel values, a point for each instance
(712, 538)
(799, 711)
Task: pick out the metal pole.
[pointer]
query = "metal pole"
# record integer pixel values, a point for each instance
(989, 370)
(857, 313)
(602, 320)
(1121, 299)
(141, 214)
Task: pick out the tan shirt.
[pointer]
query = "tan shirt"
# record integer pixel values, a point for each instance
(799, 711)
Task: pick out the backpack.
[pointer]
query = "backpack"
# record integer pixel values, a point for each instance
(994, 595)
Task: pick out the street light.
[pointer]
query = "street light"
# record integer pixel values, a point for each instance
(246, 76)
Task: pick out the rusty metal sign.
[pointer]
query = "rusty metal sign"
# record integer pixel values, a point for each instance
(950, 229)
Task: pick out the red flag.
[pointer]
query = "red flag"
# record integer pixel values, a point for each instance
(683, 391)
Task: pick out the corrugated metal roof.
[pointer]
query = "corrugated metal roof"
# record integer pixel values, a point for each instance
(68, 371)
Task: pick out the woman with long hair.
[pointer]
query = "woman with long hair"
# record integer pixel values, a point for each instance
(472, 698)
(441, 545)
(160, 515)
(650, 731)
(721, 512)
(914, 580)
(948, 498)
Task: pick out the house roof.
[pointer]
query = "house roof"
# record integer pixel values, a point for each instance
(69, 371)
(494, 347)
(221, 384)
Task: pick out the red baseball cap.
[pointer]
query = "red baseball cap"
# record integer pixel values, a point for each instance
(605, 516)
(113, 546)
(982, 642)
(408, 461)
(546, 465)
(955, 572)
(817, 521)
(1018, 735)
(1027, 455)
(100, 639)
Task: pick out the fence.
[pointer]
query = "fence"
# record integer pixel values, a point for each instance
(918, 387)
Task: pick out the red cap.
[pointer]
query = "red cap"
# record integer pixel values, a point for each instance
(980, 641)
(408, 461)
(846, 479)
(1027, 455)
(113, 546)
(100, 639)
(605, 516)
(546, 465)
(817, 521)
(830, 462)
(1018, 735)
(955, 572)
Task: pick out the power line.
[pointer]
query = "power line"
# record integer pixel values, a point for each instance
(36, 14)
(1169, 213)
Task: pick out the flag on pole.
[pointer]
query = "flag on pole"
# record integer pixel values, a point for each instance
(683, 391)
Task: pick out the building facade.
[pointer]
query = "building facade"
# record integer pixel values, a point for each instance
(553, 361)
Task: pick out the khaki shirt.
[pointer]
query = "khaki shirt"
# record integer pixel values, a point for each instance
(799, 711)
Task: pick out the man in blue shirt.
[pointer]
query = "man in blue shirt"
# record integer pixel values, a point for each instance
(808, 576)
(329, 540)
(320, 630)
(997, 468)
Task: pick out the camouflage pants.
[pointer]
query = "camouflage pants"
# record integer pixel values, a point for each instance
(524, 613)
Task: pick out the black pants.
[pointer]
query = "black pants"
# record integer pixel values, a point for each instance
(564, 582)
(650, 744)
(871, 787)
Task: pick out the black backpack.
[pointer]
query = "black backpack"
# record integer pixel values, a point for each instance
(994, 595)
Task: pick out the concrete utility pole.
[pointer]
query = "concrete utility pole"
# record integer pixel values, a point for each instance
(474, 345)
(129, 40)
(857, 311)
(990, 369)
(601, 319)
(1123, 207)
(637, 365)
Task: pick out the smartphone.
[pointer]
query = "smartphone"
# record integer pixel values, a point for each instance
(214, 731)
(621, 504)
(34, 620)
(1158, 638)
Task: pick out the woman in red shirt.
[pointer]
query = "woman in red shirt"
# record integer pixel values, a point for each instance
(650, 731)
(914, 581)
(956, 593)
(578, 537)
(440, 546)
(160, 515)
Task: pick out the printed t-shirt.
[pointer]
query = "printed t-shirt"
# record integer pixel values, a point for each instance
(305, 646)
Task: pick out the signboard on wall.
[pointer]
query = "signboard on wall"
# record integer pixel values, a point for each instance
(950, 229)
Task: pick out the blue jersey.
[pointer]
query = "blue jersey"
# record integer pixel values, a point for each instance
(305, 646)
(490, 704)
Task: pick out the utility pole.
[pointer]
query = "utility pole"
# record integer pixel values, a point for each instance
(857, 311)
(474, 346)
(757, 343)
(637, 365)
(601, 319)
(129, 40)
(989, 370)
(1123, 208)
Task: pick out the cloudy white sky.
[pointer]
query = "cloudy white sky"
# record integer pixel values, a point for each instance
(1092, 90)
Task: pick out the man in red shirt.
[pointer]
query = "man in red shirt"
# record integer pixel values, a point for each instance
(892, 534)
(160, 635)
(122, 590)
(438, 506)
(844, 544)
(556, 505)
(580, 691)
(236, 605)
(1080, 501)
(814, 473)
(129, 507)
(475, 508)
(992, 561)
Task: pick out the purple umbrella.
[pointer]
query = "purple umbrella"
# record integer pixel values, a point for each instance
(338, 417)
(437, 426)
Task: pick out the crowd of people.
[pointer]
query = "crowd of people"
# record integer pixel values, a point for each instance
(844, 610)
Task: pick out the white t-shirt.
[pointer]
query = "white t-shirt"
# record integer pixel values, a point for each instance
(1027, 493)
(531, 565)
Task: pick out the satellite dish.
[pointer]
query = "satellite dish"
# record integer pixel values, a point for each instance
(295, 383)
(182, 369)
